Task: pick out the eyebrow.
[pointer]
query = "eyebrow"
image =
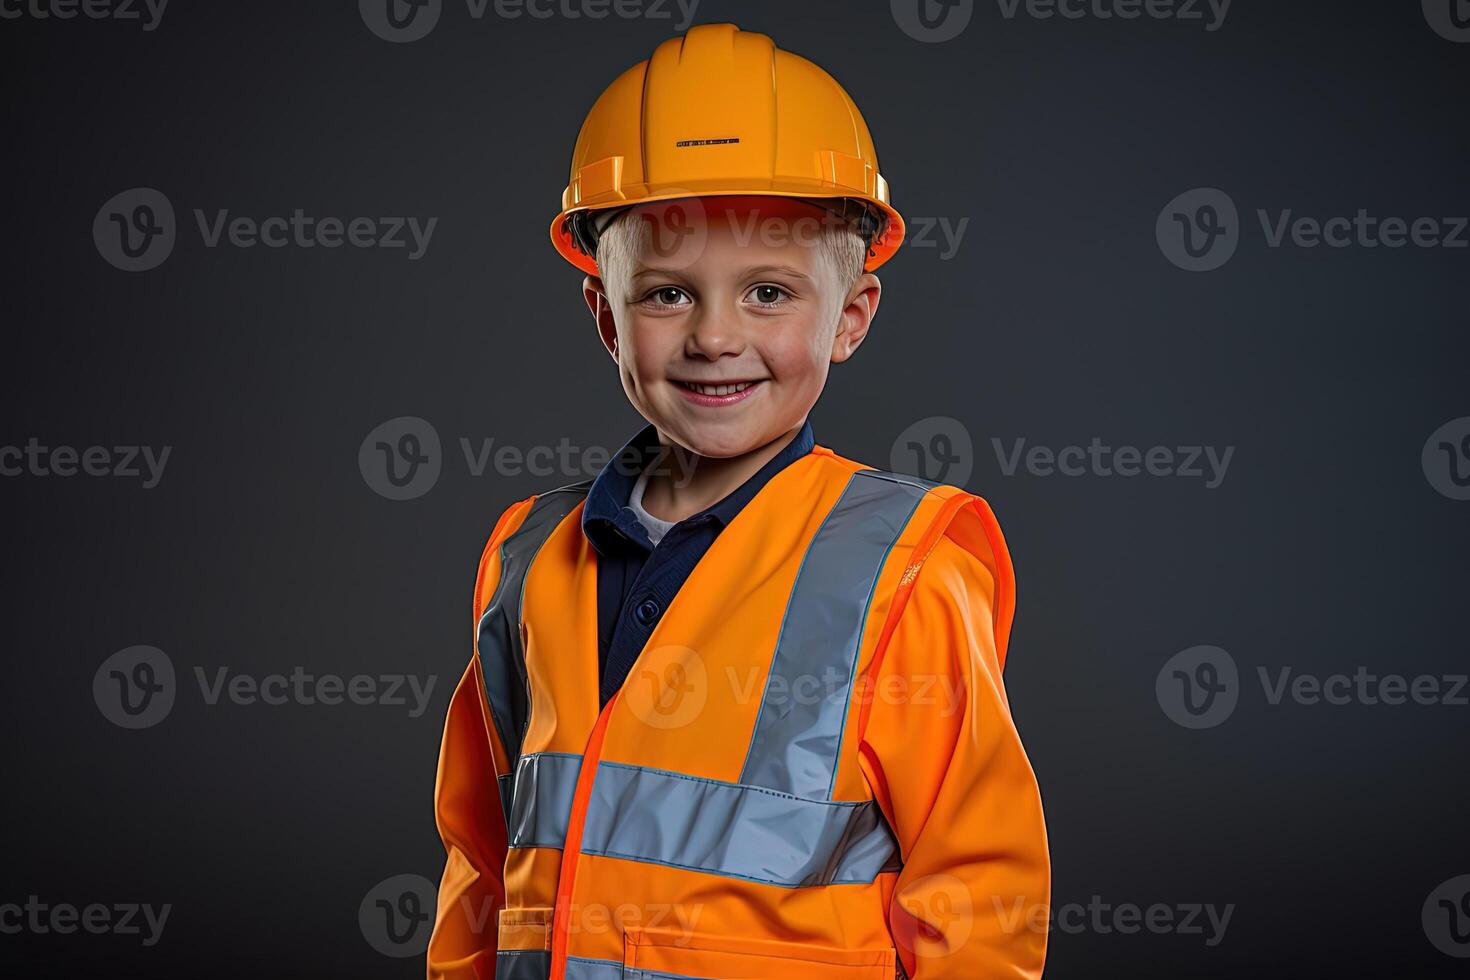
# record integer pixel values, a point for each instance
(649, 270)
(783, 269)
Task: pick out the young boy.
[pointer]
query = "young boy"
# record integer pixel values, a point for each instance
(736, 707)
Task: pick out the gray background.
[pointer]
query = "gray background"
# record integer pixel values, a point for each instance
(1059, 319)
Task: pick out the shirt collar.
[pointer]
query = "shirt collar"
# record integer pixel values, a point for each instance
(607, 517)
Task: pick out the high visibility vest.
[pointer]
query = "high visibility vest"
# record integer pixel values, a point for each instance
(714, 819)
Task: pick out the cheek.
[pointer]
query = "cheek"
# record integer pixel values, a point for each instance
(807, 347)
(645, 347)
(798, 357)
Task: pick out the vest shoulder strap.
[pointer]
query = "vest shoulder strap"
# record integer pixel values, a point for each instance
(498, 632)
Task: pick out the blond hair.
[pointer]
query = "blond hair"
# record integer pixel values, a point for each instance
(838, 245)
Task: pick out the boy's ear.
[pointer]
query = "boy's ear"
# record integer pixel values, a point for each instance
(595, 293)
(856, 316)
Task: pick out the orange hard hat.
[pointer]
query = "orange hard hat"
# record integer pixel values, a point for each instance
(719, 112)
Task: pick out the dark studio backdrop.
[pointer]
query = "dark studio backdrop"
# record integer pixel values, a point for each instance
(1229, 447)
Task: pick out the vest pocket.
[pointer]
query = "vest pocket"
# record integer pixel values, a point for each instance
(524, 944)
(669, 954)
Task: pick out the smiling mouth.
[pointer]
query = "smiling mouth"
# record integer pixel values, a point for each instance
(729, 388)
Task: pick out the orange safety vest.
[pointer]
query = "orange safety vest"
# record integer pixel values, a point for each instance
(756, 801)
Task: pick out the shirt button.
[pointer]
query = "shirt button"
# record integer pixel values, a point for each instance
(646, 611)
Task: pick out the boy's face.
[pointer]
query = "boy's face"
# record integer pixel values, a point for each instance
(732, 292)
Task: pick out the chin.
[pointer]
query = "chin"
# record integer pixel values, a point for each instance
(719, 448)
(717, 441)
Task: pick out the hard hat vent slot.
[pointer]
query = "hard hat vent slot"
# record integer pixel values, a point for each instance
(600, 178)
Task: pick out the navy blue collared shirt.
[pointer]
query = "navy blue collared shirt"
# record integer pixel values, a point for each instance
(635, 580)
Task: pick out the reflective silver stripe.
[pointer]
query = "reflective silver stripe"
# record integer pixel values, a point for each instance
(748, 832)
(523, 964)
(542, 807)
(585, 968)
(797, 738)
(535, 964)
(664, 817)
(498, 638)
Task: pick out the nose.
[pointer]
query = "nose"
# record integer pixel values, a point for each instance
(713, 334)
